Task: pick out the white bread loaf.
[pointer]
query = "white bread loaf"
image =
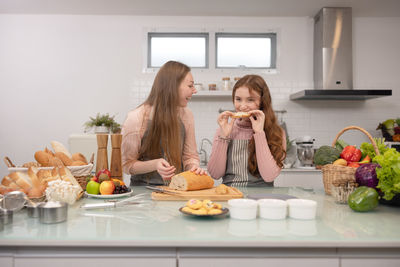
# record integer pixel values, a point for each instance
(188, 181)
(58, 147)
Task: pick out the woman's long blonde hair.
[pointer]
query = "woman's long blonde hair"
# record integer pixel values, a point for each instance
(164, 132)
(272, 130)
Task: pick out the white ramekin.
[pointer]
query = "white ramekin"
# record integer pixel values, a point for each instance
(272, 209)
(303, 209)
(243, 209)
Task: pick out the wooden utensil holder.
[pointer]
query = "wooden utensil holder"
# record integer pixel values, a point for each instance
(102, 157)
(116, 161)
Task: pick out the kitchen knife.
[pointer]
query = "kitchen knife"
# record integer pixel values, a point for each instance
(160, 190)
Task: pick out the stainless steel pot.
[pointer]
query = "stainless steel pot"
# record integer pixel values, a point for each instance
(53, 212)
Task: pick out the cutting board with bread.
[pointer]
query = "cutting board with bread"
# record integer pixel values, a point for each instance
(188, 185)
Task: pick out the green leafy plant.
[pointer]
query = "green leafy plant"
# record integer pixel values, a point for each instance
(103, 120)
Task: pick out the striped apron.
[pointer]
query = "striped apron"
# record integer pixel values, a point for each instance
(237, 173)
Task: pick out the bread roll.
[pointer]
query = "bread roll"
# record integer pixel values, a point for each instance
(188, 181)
(38, 188)
(79, 157)
(240, 115)
(31, 164)
(48, 151)
(67, 161)
(78, 163)
(58, 147)
(43, 158)
(4, 190)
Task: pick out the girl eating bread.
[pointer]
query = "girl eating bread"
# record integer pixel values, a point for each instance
(249, 146)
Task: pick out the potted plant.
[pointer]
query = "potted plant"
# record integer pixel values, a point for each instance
(103, 124)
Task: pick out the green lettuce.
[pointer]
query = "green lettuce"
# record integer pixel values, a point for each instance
(368, 148)
(389, 173)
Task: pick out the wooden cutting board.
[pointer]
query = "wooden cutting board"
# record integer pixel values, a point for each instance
(197, 194)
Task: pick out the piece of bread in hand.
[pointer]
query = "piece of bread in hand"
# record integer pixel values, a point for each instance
(58, 147)
(79, 157)
(240, 115)
(189, 181)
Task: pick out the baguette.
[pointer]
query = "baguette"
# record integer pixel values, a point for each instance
(38, 188)
(189, 181)
(240, 115)
(58, 147)
(22, 180)
(78, 163)
(43, 158)
(67, 161)
(9, 183)
(79, 157)
(66, 175)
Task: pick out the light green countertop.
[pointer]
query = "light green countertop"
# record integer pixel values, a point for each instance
(160, 224)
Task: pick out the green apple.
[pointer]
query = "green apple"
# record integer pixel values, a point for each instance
(93, 188)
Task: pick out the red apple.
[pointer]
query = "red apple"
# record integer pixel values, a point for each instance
(106, 171)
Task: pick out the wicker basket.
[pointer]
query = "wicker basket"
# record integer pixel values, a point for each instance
(79, 172)
(338, 175)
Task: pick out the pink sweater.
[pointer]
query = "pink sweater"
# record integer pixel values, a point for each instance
(242, 130)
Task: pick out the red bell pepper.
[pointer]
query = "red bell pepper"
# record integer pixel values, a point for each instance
(351, 154)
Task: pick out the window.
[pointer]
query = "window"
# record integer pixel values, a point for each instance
(188, 48)
(245, 50)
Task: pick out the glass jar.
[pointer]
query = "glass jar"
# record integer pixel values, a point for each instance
(226, 84)
(212, 87)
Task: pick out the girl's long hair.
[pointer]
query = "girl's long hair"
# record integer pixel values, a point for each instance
(164, 132)
(273, 131)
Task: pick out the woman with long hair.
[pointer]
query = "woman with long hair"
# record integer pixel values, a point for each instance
(248, 151)
(158, 138)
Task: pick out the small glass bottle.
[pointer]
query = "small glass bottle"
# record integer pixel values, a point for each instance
(226, 83)
(212, 87)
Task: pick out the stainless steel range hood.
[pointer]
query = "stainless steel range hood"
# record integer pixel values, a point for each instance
(333, 65)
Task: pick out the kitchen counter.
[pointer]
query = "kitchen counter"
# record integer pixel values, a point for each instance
(158, 231)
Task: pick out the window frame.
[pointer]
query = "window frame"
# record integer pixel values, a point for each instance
(271, 35)
(178, 34)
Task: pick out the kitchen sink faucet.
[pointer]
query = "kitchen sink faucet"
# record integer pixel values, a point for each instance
(202, 151)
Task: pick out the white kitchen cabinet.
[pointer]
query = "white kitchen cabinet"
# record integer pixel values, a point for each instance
(6, 261)
(258, 262)
(93, 262)
(370, 262)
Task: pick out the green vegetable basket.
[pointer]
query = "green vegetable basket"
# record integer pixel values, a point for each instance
(342, 176)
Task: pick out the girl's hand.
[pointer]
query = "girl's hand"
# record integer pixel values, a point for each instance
(224, 124)
(257, 119)
(165, 169)
(198, 170)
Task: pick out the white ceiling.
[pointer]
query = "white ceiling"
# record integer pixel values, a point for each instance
(261, 8)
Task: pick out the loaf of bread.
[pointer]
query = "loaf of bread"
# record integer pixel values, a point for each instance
(241, 115)
(189, 181)
(67, 161)
(79, 157)
(22, 180)
(58, 147)
(43, 158)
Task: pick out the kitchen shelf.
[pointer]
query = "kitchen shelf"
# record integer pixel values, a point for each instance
(212, 94)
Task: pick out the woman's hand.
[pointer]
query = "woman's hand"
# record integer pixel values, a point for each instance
(257, 119)
(165, 169)
(224, 124)
(198, 170)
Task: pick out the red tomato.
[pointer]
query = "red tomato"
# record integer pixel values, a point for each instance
(351, 153)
